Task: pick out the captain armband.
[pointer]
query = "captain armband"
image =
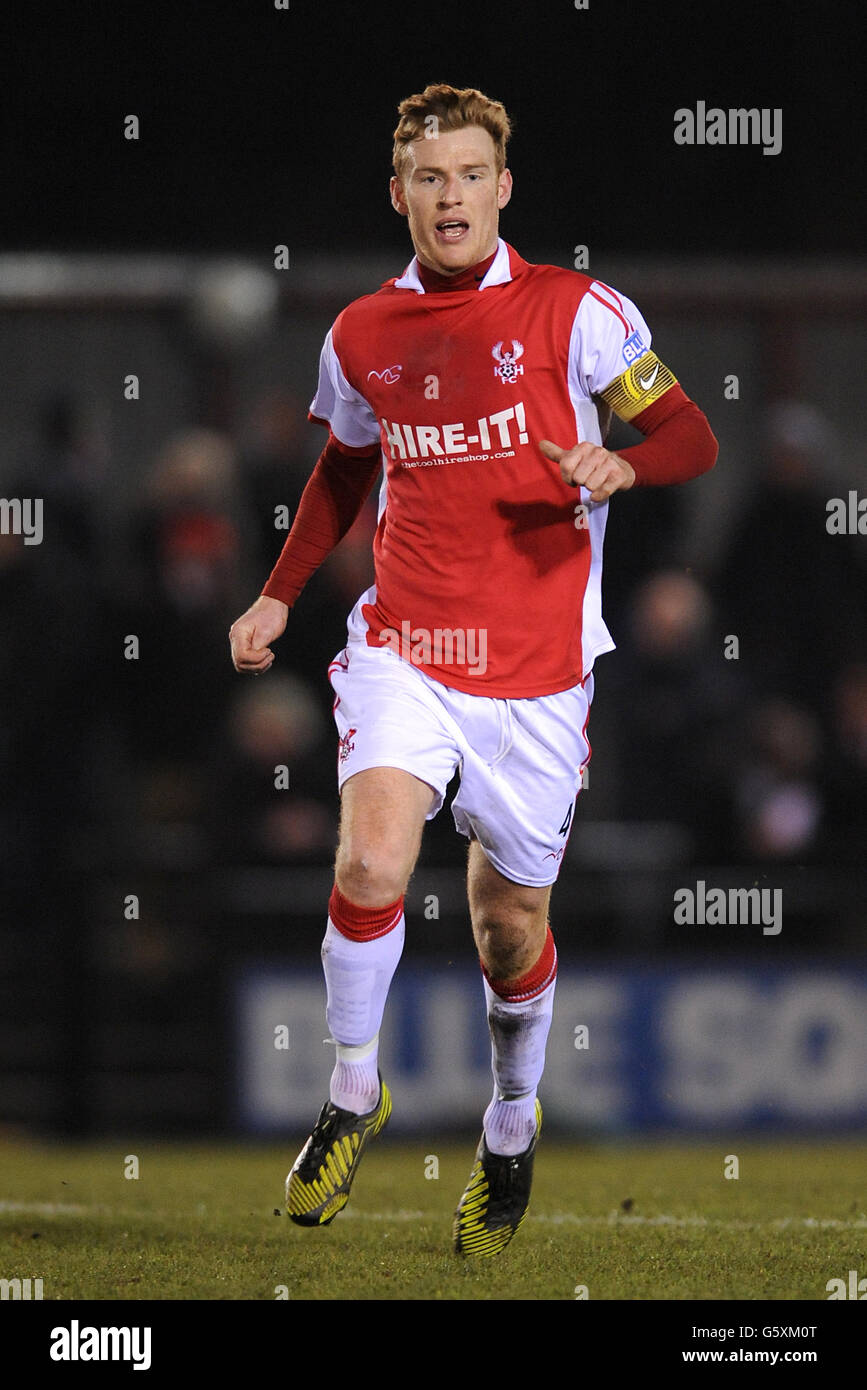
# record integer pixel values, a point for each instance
(639, 387)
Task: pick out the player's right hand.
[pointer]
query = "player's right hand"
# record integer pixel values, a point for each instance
(250, 637)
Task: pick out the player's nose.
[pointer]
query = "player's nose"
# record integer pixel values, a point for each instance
(450, 193)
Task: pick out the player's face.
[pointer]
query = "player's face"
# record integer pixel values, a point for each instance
(452, 195)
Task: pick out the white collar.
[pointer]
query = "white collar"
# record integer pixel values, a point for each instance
(499, 272)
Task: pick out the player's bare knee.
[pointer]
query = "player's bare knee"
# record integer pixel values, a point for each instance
(509, 943)
(503, 961)
(369, 878)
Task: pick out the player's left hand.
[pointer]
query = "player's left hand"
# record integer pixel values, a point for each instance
(589, 465)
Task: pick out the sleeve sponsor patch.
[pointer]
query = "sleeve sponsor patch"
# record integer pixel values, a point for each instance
(634, 347)
(638, 387)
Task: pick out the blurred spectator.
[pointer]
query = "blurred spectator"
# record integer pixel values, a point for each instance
(276, 461)
(50, 700)
(188, 543)
(191, 544)
(777, 792)
(847, 768)
(67, 469)
(672, 704)
(790, 591)
(275, 798)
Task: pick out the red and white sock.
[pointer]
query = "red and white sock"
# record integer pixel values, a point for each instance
(360, 953)
(519, 1019)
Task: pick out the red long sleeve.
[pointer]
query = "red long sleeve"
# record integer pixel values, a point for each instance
(335, 493)
(680, 443)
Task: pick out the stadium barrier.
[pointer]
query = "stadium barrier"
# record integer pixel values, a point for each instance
(670, 1048)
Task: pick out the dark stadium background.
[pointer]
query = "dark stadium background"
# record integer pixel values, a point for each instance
(154, 777)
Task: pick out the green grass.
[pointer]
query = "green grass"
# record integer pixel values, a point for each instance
(629, 1222)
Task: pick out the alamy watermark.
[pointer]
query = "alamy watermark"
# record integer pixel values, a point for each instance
(847, 516)
(855, 1288)
(77, 1343)
(22, 1289)
(439, 646)
(739, 125)
(22, 516)
(742, 907)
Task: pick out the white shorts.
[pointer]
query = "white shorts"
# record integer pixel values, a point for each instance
(521, 761)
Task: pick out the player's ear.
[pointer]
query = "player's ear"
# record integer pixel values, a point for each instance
(398, 202)
(504, 188)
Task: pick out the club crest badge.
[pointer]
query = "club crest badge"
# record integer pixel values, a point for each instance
(507, 368)
(346, 745)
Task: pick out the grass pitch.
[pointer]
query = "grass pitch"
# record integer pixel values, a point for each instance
(638, 1222)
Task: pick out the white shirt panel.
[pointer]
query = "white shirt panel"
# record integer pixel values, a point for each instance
(608, 335)
(347, 412)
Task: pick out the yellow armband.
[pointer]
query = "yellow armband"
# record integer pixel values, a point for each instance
(639, 386)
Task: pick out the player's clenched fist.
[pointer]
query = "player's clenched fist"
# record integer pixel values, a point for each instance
(589, 465)
(255, 630)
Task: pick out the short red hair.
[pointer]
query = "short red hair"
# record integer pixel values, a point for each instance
(453, 108)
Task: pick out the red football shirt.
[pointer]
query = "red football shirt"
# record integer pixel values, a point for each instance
(488, 567)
